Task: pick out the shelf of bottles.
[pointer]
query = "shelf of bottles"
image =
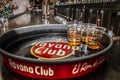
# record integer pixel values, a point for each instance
(69, 2)
(5, 12)
(106, 12)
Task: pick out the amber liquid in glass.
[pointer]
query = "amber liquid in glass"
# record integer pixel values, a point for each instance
(91, 44)
(94, 45)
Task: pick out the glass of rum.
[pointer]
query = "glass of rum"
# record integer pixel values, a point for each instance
(73, 34)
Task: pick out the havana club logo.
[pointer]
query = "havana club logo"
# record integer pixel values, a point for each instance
(51, 50)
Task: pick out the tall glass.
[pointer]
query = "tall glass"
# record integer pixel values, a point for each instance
(73, 34)
(94, 38)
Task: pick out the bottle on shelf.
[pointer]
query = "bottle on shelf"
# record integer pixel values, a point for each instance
(102, 15)
(81, 16)
(98, 19)
(91, 15)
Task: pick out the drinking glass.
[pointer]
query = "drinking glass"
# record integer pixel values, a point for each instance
(95, 36)
(73, 34)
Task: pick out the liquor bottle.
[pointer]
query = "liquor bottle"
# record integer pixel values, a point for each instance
(81, 16)
(91, 15)
(102, 15)
(98, 18)
(98, 21)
